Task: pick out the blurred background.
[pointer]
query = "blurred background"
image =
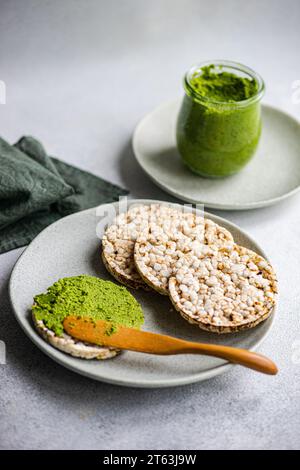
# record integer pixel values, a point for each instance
(80, 74)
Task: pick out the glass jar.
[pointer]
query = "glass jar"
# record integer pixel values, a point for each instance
(218, 138)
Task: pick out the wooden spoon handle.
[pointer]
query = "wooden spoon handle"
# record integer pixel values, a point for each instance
(242, 357)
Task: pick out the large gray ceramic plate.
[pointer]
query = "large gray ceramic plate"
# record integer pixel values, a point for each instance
(271, 176)
(71, 247)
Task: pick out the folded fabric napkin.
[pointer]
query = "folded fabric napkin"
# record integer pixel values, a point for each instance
(36, 190)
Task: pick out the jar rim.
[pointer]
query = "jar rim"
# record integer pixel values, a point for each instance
(226, 64)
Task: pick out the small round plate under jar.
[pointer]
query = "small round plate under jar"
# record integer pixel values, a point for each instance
(272, 175)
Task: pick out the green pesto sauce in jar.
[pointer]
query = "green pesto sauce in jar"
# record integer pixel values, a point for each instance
(87, 296)
(219, 123)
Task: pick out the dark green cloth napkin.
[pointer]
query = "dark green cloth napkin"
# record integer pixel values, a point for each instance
(36, 190)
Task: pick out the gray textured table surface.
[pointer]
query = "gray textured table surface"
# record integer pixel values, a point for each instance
(79, 76)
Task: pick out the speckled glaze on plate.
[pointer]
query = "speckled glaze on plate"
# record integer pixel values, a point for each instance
(272, 175)
(71, 247)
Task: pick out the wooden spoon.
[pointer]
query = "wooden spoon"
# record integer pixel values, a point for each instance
(103, 333)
